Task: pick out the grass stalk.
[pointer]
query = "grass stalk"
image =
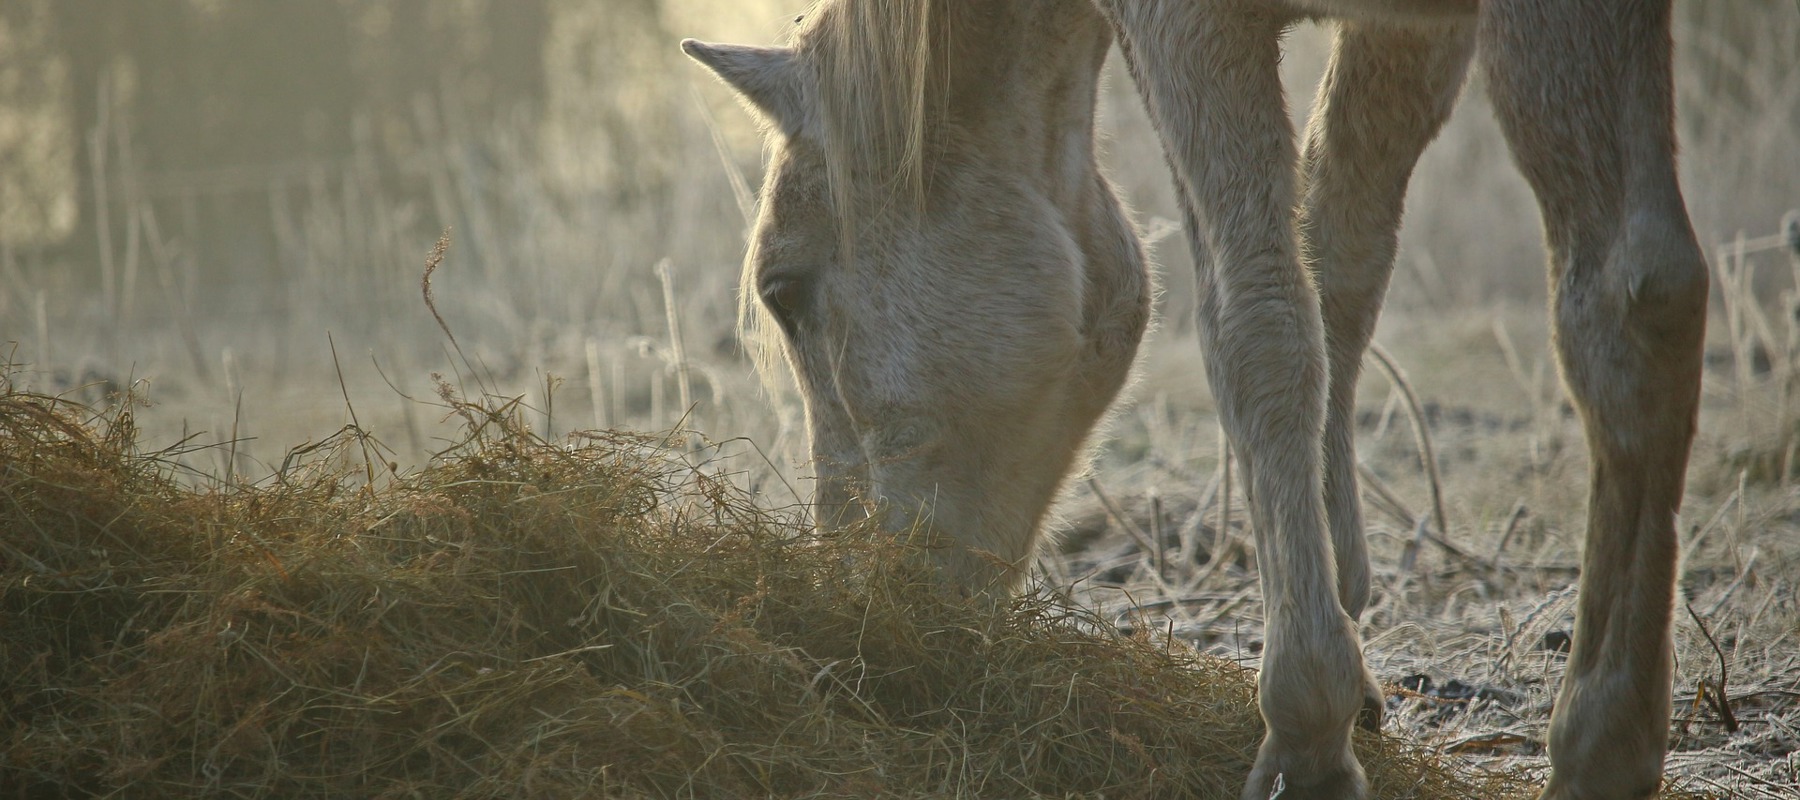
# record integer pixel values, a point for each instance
(598, 397)
(97, 141)
(684, 391)
(1421, 432)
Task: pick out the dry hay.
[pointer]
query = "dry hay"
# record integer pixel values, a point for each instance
(524, 619)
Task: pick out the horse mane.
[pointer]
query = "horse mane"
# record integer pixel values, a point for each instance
(881, 76)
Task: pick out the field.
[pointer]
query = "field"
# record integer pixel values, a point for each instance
(590, 287)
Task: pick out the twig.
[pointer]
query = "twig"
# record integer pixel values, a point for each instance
(1118, 515)
(740, 188)
(1743, 573)
(677, 348)
(1512, 525)
(1225, 459)
(1409, 555)
(1687, 552)
(97, 150)
(1421, 434)
(1383, 498)
(1190, 529)
(1373, 482)
(1156, 532)
(235, 393)
(1510, 354)
(1153, 557)
(575, 652)
(361, 434)
(1720, 700)
(432, 261)
(1224, 541)
(597, 397)
(36, 566)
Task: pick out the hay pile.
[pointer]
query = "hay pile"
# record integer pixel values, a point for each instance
(524, 619)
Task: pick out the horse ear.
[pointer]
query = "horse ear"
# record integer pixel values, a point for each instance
(767, 77)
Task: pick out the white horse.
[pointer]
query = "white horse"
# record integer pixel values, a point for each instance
(960, 296)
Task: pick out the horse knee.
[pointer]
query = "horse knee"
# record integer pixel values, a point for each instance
(1663, 274)
(1631, 320)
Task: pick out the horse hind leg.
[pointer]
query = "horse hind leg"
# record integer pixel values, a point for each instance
(1385, 96)
(1582, 89)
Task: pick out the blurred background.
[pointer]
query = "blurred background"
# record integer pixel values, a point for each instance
(226, 205)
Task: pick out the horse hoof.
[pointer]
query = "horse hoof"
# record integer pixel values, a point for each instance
(1324, 774)
(1340, 784)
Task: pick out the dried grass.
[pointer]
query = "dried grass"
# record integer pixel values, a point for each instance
(524, 618)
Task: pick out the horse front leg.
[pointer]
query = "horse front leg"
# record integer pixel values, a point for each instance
(1208, 74)
(1583, 91)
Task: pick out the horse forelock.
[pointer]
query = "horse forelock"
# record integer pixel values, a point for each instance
(879, 66)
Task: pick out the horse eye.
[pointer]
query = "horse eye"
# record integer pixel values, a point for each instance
(785, 298)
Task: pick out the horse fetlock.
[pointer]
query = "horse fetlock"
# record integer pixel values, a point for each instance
(1316, 710)
(1601, 783)
(1312, 690)
(1604, 787)
(1324, 694)
(1607, 738)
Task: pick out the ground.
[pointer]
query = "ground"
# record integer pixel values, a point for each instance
(1468, 631)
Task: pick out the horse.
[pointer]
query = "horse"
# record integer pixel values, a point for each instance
(959, 294)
